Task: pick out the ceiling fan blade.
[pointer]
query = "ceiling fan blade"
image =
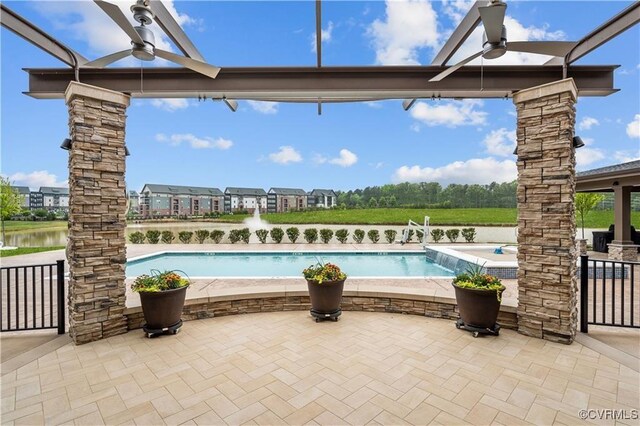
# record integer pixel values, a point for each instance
(119, 18)
(175, 32)
(233, 105)
(552, 48)
(408, 103)
(493, 20)
(109, 59)
(455, 67)
(197, 66)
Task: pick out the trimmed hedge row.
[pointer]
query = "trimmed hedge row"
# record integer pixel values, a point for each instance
(310, 235)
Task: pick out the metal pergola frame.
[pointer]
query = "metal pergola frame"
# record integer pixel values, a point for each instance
(321, 84)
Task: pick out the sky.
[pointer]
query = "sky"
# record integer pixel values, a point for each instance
(187, 142)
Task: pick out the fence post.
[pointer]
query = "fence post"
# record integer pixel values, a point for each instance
(584, 295)
(60, 289)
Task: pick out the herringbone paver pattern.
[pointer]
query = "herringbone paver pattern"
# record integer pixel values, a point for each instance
(282, 368)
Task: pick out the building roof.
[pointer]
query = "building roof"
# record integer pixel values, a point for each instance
(327, 192)
(24, 190)
(50, 190)
(603, 179)
(133, 194)
(245, 191)
(182, 190)
(287, 191)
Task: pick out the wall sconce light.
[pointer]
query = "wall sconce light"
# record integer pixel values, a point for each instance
(66, 145)
(577, 142)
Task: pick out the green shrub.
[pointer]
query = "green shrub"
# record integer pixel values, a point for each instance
(469, 234)
(452, 234)
(137, 237)
(217, 235)
(201, 235)
(410, 236)
(311, 235)
(276, 235)
(358, 235)
(235, 236)
(374, 235)
(167, 237)
(326, 235)
(342, 235)
(245, 234)
(185, 236)
(390, 235)
(153, 236)
(262, 235)
(437, 234)
(293, 233)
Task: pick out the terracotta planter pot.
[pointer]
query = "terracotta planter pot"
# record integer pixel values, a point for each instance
(325, 297)
(162, 309)
(478, 308)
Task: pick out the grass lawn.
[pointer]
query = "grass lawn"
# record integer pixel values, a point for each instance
(400, 216)
(27, 250)
(24, 225)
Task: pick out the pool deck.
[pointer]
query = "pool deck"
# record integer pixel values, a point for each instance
(282, 368)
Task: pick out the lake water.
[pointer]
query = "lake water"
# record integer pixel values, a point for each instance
(58, 237)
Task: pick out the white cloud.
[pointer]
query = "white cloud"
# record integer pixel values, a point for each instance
(194, 141)
(346, 159)
(35, 180)
(85, 21)
(626, 156)
(319, 159)
(475, 170)
(456, 9)
(588, 155)
(170, 104)
(264, 107)
(633, 128)
(587, 123)
(377, 165)
(286, 155)
(415, 127)
(500, 142)
(373, 104)
(450, 113)
(409, 25)
(325, 36)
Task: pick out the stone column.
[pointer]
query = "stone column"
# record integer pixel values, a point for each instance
(547, 284)
(622, 248)
(96, 249)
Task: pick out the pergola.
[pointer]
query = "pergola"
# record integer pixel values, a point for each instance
(544, 96)
(622, 180)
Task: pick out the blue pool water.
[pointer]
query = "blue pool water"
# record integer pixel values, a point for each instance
(206, 264)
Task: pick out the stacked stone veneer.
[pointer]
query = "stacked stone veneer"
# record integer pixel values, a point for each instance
(96, 249)
(547, 252)
(623, 252)
(264, 303)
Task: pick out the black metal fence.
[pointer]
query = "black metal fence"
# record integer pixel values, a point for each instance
(608, 293)
(32, 297)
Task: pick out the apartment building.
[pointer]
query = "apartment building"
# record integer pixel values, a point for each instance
(175, 200)
(54, 199)
(326, 198)
(281, 200)
(244, 199)
(25, 193)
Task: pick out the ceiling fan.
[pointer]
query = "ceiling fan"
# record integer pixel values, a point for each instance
(142, 38)
(495, 42)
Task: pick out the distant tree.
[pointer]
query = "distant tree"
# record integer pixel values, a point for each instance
(372, 203)
(585, 202)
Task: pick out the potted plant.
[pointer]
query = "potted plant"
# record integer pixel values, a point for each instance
(162, 297)
(325, 282)
(478, 296)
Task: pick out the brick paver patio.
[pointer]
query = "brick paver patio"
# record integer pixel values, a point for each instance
(278, 368)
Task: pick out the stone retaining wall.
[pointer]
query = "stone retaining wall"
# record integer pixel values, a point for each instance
(246, 305)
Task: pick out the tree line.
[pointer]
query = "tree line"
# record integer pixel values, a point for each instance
(431, 195)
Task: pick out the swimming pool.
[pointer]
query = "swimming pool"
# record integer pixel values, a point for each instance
(288, 264)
